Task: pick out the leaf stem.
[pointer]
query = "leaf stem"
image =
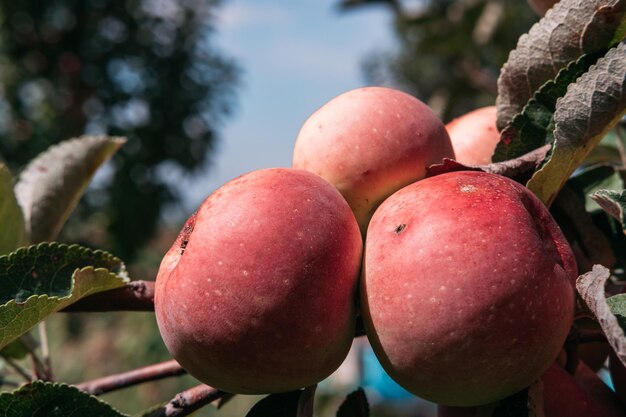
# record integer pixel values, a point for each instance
(45, 351)
(188, 401)
(38, 367)
(621, 142)
(137, 376)
(136, 296)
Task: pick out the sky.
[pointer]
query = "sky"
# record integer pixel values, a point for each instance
(295, 56)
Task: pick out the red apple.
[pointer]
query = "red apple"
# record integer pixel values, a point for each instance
(564, 395)
(369, 143)
(468, 288)
(474, 136)
(257, 295)
(581, 395)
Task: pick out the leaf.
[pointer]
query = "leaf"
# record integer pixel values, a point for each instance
(19, 348)
(617, 305)
(42, 279)
(532, 128)
(518, 168)
(276, 405)
(11, 219)
(571, 29)
(51, 184)
(46, 399)
(590, 286)
(589, 109)
(515, 405)
(589, 180)
(613, 202)
(355, 405)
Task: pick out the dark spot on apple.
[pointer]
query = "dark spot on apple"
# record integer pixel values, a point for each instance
(400, 228)
(185, 234)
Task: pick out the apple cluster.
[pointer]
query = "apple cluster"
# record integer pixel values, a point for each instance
(463, 281)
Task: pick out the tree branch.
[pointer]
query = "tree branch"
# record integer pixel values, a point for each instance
(188, 401)
(137, 376)
(136, 296)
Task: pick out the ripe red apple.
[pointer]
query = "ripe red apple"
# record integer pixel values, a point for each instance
(581, 395)
(257, 295)
(541, 6)
(467, 289)
(369, 143)
(564, 395)
(474, 136)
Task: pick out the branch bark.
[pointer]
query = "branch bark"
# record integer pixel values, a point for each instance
(137, 376)
(188, 401)
(136, 296)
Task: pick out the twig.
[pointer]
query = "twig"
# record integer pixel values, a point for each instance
(45, 351)
(137, 376)
(39, 371)
(188, 401)
(136, 296)
(18, 368)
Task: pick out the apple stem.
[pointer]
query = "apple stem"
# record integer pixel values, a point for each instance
(137, 376)
(136, 296)
(188, 401)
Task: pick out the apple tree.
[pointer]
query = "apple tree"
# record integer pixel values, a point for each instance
(561, 101)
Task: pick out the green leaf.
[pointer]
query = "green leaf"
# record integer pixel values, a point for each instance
(617, 305)
(11, 219)
(592, 179)
(19, 348)
(532, 128)
(613, 202)
(42, 279)
(571, 29)
(591, 287)
(276, 405)
(46, 399)
(355, 405)
(51, 185)
(589, 109)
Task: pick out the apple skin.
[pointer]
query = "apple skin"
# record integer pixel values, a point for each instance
(541, 6)
(564, 395)
(257, 295)
(369, 143)
(474, 136)
(467, 290)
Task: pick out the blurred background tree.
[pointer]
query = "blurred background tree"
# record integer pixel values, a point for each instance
(449, 51)
(144, 69)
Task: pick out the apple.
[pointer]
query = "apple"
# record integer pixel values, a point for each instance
(541, 6)
(474, 136)
(564, 395)
(370, 142)
(257, 295)
(581, 395)
(467, 291)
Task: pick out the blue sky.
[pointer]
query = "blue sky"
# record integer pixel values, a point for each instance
(295, 56)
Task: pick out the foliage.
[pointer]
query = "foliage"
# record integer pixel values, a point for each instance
(144, 69)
